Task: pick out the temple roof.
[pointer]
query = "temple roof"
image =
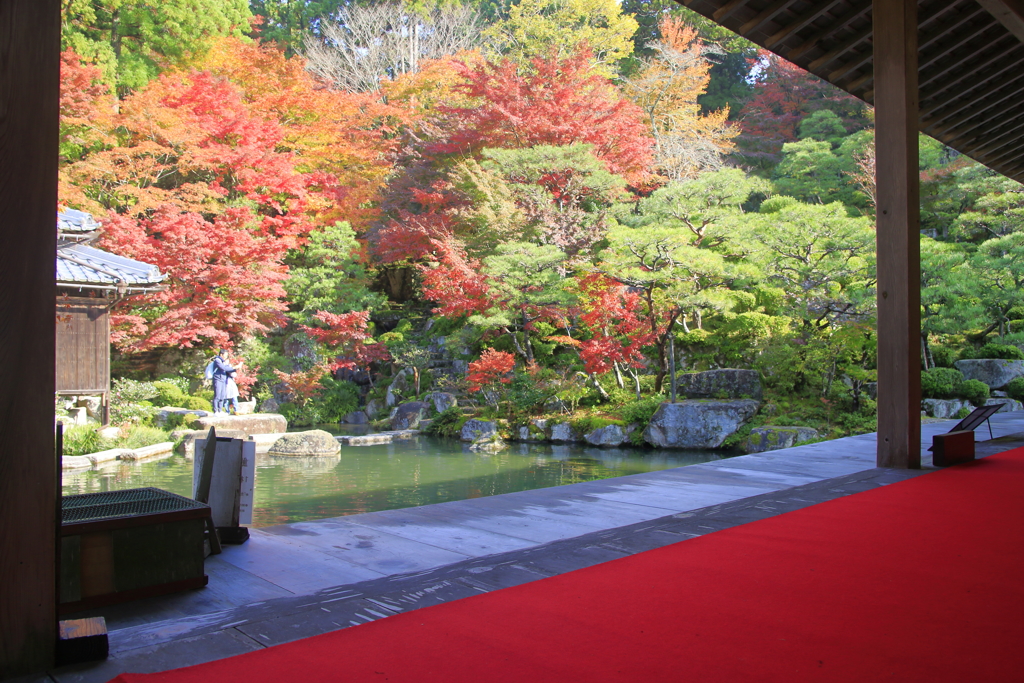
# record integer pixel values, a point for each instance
(86, 267)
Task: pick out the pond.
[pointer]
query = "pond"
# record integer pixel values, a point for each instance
(418, 471)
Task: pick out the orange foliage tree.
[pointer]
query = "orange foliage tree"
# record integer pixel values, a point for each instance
(666, 88)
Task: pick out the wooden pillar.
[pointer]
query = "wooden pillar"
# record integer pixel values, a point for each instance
(29, 106)
(898, 233)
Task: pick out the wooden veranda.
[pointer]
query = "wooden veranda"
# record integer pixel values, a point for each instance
(952, 68)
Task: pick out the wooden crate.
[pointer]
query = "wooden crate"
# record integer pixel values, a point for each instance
(125, 545)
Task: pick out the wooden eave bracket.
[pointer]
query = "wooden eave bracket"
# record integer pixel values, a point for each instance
(1009, 13)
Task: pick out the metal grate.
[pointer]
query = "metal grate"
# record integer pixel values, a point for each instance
(88, 507)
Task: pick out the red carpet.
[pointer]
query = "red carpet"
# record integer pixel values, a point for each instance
(917, 581)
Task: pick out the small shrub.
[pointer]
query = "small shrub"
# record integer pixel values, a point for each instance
(587, 424)
(640, 411)
(941, 383)
(447, 423)
(735, 439)
(338, 399)
(82, 440)
(197, 403)
(141, 435)
(1015, 389)
(169, 394)
(205, 393)
(962, 413)
(943, 356)
(302, 416)
(1001, 351)
(975, 391)
(129, 401)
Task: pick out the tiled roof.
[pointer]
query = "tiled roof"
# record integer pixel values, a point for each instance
(78, 264)
(74, 221)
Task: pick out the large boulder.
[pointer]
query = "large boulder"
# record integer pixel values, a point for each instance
(315, 442)
(374, 407)
(944, 407)
(562, 432)
(533, 432)
(260, 423)
(398, 388)
(994, 372)
(408, 415)
(475, 429)
(358, 417)
(698, 423)
(1009, 405)
(720, 384)
(488, 443)
(763, 439)
(271, 405)
(442, 400)
(609, 436)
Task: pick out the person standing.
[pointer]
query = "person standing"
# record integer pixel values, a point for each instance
(221, 369)
(231, 395)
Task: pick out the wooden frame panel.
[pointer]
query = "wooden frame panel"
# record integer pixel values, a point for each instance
(30, 92)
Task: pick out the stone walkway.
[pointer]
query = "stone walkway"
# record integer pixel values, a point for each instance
(297, 580)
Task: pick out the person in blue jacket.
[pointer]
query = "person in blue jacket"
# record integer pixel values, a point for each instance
(221, 370)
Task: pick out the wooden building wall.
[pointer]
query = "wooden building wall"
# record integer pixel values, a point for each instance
(83, 346)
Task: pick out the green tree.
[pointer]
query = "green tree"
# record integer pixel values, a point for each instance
(327, 274)
(818, 255)
(527, 284)
(677, 282)
(949, 302)
(540, 28)
(564, 192)
(132, 40)
(707, 207)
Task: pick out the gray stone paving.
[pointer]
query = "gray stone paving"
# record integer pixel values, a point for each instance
(294, 581)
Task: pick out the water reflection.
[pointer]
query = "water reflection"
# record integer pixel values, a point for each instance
(408, 473)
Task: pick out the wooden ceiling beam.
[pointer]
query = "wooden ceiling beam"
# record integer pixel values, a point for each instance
(950, 135)
(857, 38)
(854, 64)
(946, 28)
(1009, 13)
(800, 22)
(834, 26)
(764, 16)
(998, 89)
(960, 41)
(1008, 155)
(999, 53)
(973, 120)
(1011, 65)
(860, 82)
(988, 147)
(727, 9)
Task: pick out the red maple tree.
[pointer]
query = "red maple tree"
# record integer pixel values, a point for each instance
(491, 370)
(347, 336)
(557, 102)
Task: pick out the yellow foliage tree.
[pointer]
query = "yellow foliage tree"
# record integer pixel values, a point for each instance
(538, 28)
(666, 88)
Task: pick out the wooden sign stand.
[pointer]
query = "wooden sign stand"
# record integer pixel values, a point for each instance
(224, 471)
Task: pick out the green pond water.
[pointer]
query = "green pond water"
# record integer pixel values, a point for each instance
(418, 471)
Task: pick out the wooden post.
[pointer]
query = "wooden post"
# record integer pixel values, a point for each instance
(29, 110)
(898, 233)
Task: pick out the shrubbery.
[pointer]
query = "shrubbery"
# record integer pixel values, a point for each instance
(447, 423)
(975, 391)
(82, 440)
(941, 383)
(338, 399)
(992, 350)
(1015, 389)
